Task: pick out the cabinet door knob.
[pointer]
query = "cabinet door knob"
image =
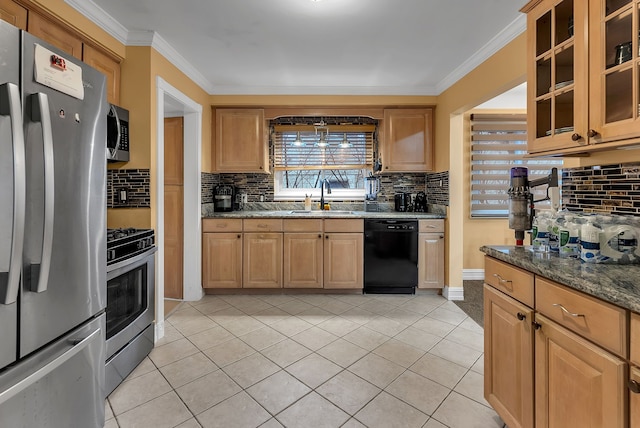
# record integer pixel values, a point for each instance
(576, 136)
(319, 235)
(537, 325)
(441, 236)
(521, 316)
(326, 236)
(633, 386)
(592, 133)
(239, 236)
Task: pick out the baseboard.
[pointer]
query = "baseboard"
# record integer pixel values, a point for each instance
(453, 293)
(473, 274)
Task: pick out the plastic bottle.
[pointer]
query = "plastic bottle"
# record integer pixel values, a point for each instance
(569, 237)
(307, 202)
(590, 241)
(541, 232)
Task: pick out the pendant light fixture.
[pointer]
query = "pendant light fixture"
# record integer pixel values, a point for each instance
(345, 144)
(298, 141)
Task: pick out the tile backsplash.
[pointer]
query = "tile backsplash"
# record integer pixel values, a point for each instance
(136, 182)
(611, 189)
(435, 185)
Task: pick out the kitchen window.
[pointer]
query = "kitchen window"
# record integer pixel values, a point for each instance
(340, 150)
(498, 143)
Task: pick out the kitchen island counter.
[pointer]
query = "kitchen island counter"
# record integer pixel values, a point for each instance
(617, 284)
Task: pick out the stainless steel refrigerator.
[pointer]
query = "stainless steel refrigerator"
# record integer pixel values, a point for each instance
(53, 114)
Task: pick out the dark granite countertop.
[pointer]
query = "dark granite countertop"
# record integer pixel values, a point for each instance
(324, 214)
(617, 284)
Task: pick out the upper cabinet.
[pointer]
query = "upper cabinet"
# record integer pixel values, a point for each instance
(583, 75)
(66, 39)
(55, 34)
(109, 67)
(407, 145)
(13, 13)
(241, 143)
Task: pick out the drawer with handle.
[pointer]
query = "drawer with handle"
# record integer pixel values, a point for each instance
(263, 225)
(515, 282)
(221, 225)
(595, 320)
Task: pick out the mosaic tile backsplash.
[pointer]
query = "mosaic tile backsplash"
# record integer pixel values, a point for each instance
(435, 185)
(137, 184)
(613, 189)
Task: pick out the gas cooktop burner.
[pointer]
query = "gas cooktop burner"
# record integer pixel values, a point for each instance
(126, 243)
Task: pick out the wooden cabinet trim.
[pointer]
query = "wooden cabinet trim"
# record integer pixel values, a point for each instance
(594, 319)
(343, 225)
(302, 225)
(262, 225)
(511, 280)
(222, 225)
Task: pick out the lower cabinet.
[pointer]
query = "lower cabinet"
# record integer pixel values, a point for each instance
(508, 355)
(222, 260)
(431, 254)
(556, 364)
(262, 260)
(343, 260)
(578, 384)
(303, 263)
(634, 397)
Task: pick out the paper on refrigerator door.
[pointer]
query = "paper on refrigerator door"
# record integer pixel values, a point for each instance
(56, 72)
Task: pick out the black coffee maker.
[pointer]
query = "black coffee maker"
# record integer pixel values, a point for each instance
(420, 203)
(224, 196)
(402, 202)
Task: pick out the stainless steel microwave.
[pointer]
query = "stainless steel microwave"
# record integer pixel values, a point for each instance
(117, 134)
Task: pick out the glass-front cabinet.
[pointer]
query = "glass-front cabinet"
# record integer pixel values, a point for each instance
(583, 74)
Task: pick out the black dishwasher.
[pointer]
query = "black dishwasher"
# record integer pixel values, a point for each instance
(390, 256)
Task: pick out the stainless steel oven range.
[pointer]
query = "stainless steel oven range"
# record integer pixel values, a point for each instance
(130, 301)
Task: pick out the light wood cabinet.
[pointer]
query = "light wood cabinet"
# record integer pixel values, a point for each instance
(634, 397)
(262, 260)
(13, 13)
(408, 140)
(583, 75)
(508, 355)
(303, 262)
(240, 140)
(577, 383)
(222, 253)
(431, 254)
(579, 353)
(343, 260)
(107, 65)
(55, 34)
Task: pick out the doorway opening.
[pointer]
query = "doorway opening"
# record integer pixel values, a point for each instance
(173, 103)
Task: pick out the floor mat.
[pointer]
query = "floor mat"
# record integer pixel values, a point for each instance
(472, 304)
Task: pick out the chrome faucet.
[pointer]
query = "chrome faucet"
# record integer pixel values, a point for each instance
(322, 183)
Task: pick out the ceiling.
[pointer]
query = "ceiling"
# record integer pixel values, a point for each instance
(337, 47)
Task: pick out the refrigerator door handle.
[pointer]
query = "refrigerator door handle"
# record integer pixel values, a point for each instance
(72, 348)
(41, 114)
(10, 106)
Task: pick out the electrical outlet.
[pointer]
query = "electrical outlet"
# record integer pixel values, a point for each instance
(123, 195)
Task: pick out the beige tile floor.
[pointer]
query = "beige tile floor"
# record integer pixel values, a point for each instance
(310, 361)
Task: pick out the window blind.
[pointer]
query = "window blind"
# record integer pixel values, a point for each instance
(357, 153)
(498, 143)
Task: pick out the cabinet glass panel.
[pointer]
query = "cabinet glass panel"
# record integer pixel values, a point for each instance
(612, 6)
(543, 118)
(543, 75)
(618, 37)
(543, 34)
(564, 21)
(564, 113)
(619, 99)
(564, 68)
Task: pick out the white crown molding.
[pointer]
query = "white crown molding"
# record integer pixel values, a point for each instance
(323, 90)
(513, 30)
(149, 38)
(101, 18)
(139, 38)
